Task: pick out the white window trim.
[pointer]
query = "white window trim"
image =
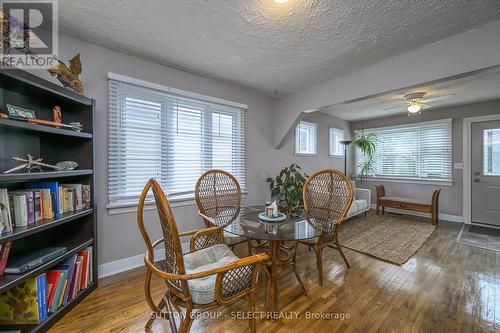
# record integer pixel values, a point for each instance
(315, 139)
(443, 182)
(185, 93)
(329, 143)
(150, 204)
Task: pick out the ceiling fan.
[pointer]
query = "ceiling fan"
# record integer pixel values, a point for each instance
(415, 102)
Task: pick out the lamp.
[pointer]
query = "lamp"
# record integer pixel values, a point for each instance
(345, 143)
(414, 108)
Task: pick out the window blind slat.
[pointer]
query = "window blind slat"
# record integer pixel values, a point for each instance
(171, 138)
(419, 151)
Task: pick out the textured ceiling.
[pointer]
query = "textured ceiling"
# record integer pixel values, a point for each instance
(267, 46)
(483, 85)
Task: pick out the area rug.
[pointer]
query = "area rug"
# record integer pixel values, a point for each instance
(392, 238)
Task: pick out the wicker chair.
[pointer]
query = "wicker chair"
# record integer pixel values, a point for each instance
(207, 277)
(328, 196)
(218, 196)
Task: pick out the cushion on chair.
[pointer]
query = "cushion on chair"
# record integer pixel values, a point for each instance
(203, 290)
(232, 239)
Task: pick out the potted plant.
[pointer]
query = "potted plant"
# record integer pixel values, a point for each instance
(366, 142)
(286, 189)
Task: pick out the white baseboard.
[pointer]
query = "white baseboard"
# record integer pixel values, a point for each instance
(444, 217)
(125, 264)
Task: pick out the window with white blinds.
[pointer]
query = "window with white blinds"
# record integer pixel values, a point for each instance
(419, 151)
(170, 137)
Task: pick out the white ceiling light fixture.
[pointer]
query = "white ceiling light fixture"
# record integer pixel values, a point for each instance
(280, 1)
(416, 102)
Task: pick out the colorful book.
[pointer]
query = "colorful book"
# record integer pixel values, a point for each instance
(4, 252)
(61, 196)
(30, 204)
(52, 278)
(41, 281)
(68, 265)
(38, 205)
(54, 192)
(20, 304)
(85, 268)
(79, 263)
(47, 204)
(78, 195)
(69, 199)
(73, 286)
(58, 292)
(20, 210)
(86, 196)
(4, 218)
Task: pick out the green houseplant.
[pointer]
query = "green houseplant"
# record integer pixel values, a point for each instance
(366, 143)
(286, 189)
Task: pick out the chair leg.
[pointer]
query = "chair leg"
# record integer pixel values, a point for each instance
(319, 263)
(299, 279)
(161, 305)
(251, 308)
(339, 248)
(188, 320)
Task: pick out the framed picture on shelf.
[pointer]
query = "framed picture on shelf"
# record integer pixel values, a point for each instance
(18, 111)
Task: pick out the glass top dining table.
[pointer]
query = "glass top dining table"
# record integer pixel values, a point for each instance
(277, 239)
(248, 225)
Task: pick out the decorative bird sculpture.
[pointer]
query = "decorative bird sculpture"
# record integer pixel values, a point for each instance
(68, 76)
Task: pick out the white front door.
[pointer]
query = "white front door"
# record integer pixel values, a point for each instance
(485, 153)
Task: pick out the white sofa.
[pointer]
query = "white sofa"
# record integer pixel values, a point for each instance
(361, 202)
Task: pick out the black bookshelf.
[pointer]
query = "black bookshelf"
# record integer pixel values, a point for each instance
(76, 230)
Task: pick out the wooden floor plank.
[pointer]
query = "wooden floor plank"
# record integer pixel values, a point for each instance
(445, 287)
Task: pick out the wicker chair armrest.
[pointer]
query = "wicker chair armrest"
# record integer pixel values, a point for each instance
(237, 282)
(204, 238)
(207, 219)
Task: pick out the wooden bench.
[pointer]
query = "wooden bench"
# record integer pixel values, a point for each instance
(431, 207)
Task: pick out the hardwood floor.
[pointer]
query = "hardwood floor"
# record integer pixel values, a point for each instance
(445, 287)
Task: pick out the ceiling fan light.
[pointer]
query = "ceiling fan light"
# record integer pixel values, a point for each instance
(414, 108)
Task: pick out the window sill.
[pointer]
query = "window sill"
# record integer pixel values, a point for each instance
(407, 181)
(336, 156)
(181, 201)
(306, 154)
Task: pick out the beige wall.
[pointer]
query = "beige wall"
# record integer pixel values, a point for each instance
(451, 196)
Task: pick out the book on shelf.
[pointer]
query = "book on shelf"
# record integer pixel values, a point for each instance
(40, 202)
(86, 196)
(20, 210)
(38, 205)
(30, 205)
(77, 195)
(5, 248)
(53, 196)
(24, 303)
